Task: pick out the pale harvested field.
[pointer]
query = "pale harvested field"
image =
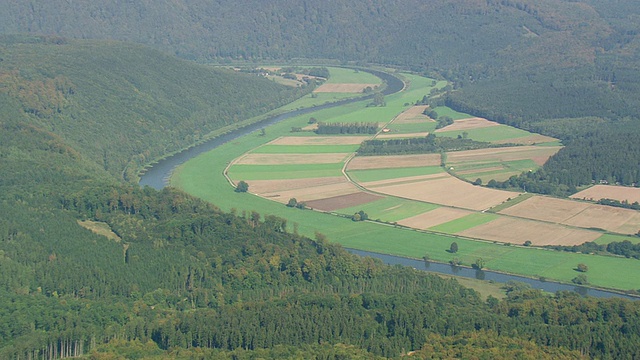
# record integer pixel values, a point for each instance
(413, 115)
(280, 159)
(449, 191)
(343, 88)
(314, 192)
(261, 187)
(466, 124)
(393, 161)
(527, 140)
(391, 135)
(517, 231)
(546, 209)
(613, 219)
(620, 193)
(434, 217)
(403, 180)
(344, 201)
(539, 154)
(319, 140)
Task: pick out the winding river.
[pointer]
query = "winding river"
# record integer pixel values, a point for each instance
(158, 175)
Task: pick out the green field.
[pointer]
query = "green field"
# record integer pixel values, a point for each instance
(391, 209)
(316, 99)
(447, 111)
(385, 174)
(464, 223)
(202, 177)
(489, 134)
(609, 238)
(509, 168)
(306, 149)
(427, 126)
(293, 171)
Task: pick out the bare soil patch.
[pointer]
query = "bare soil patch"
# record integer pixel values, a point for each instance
(393, 161)
(449, 191)
(279, 159)
(609, 218)
(344, 201)
(539, 154)
(620, 193)
(413, 115)
(466, 124)
(527, 140)
(517, 231)
(261, 187)
(546, 209)
(343, 88)
(319, 140)
(434, 217)
(392, 135)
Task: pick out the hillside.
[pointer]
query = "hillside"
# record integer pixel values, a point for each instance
(122, 105)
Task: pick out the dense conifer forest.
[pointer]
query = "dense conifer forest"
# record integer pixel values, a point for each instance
(93, 266)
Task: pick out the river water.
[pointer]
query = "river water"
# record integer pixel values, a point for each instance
(158, 175)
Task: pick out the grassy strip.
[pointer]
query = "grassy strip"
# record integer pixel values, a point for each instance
(464, 223)
(306, 149)
(294, 171)
(609, 238)
(510, 203)
(447, 111)
(395, 173)
(351, 76)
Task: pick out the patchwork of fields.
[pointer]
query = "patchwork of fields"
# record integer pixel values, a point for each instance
(415, 191)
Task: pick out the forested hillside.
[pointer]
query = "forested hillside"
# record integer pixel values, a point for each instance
(516, 61)
(122, 105)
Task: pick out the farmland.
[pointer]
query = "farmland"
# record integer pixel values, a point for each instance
(620, 193)
(413, 191)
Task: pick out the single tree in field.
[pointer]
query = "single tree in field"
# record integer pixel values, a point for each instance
(582, 267)
(292, 202)
(580, 279)
(242, 186)
(453, 248)
(479, 264)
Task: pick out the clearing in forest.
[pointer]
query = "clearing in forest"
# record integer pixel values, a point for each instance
(620, 193)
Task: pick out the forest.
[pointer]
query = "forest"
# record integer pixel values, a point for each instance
(94, 266)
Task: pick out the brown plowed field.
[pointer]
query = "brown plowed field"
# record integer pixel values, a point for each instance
(391, 135)
(279, 159)
(517, 231)
(539, 154)
(319, 140)
(466, 124)
(344, 201)
(449, 191)
(343, 88)
(527, 140)
(412, 115)
(546, 209)
(314, 192)
(393, 161)
(434, 217)
(576, 213)
(261, 187)
(608, 218)
(598, 192)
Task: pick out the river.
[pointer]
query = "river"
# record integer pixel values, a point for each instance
(158, 175)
